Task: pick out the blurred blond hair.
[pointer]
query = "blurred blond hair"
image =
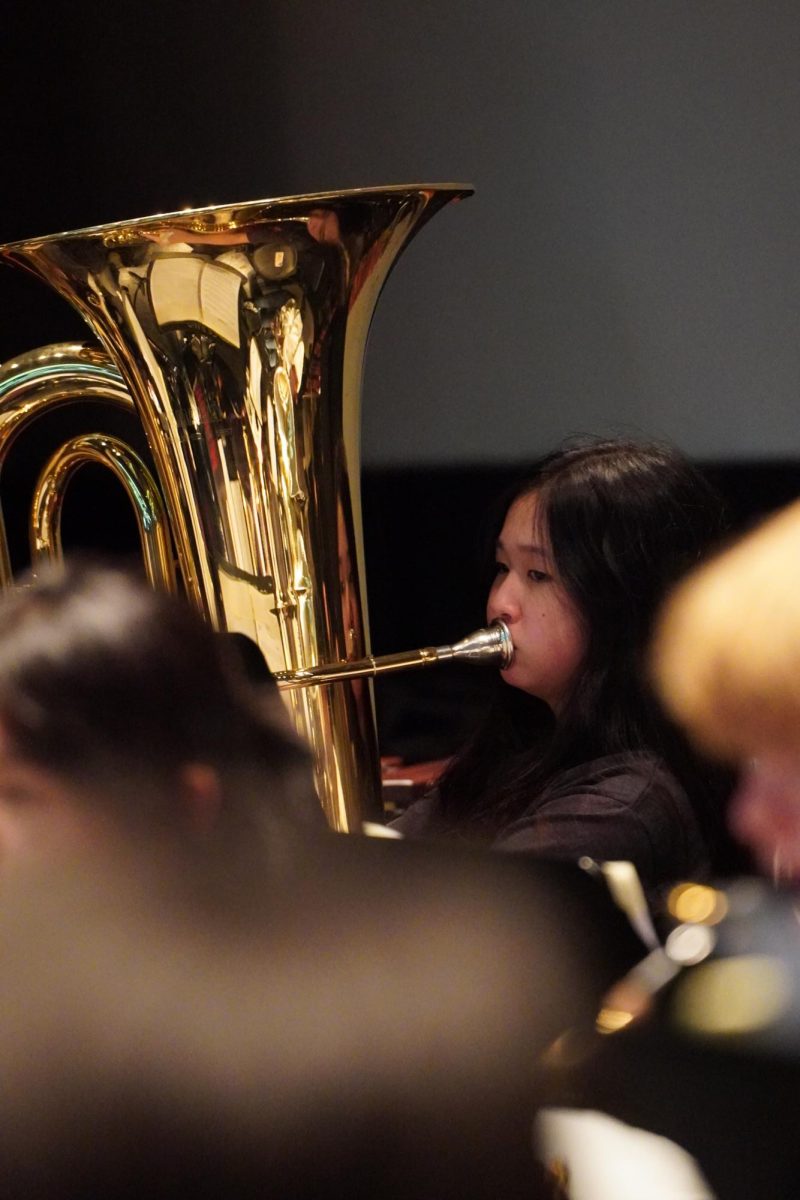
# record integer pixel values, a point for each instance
(726, 651)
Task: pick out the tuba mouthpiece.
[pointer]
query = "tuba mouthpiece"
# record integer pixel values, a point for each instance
(489, 647)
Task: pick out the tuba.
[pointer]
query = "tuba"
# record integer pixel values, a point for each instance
(237, 334)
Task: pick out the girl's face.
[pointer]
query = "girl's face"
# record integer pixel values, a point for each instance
(549, 634)
(764, 813)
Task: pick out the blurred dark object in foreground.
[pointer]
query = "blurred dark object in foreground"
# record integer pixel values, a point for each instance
(715, 1065)
(365, 1023)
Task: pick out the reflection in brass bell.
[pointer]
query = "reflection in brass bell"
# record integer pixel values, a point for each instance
(238, 333)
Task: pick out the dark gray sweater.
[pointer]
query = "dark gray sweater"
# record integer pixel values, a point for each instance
(618, 807)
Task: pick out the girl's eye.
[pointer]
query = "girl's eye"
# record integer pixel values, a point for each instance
(500, 568)
(538, 576)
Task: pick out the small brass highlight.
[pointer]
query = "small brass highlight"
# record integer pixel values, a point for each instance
(697, 904)
(611, 1020)
(733, 996)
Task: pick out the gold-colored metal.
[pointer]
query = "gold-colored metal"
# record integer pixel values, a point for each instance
(138, 483)
(36, 383)
(487, 647)
(239, 331)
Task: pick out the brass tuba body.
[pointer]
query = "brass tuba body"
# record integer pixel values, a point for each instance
(238, 333)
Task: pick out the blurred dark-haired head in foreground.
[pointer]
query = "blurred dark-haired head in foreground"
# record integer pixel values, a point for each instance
(122, 713)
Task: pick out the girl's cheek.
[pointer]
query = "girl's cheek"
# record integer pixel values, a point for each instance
(743, 810)
(766, 816)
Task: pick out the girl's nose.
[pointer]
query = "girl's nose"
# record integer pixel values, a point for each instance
(503, 602)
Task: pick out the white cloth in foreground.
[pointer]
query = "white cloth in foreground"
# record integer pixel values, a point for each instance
(609, 1160)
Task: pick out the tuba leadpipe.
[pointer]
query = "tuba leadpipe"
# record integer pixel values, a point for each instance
(238, 334)
(485, 647)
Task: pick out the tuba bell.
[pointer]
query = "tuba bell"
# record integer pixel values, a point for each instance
(237, 334)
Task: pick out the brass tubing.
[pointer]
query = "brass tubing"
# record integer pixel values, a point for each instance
(138, 484)
(487, 647)
(38, 382)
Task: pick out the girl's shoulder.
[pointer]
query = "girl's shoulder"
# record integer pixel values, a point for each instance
(622, 806)
(631, 779)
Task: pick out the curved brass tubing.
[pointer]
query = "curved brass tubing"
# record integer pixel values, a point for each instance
(139, 486)
(37, 382)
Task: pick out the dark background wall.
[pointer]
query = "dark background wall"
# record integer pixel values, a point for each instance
(629, 263)
(630, 259)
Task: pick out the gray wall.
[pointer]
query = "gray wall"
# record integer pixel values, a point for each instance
(629, 262)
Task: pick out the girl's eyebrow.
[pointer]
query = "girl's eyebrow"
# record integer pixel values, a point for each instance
(527, 547)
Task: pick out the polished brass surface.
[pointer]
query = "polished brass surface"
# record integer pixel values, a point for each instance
(37, 382)
(240, 331)
(486, 647)
(139, 486)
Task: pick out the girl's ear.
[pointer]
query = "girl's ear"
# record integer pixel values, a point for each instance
(200, 796)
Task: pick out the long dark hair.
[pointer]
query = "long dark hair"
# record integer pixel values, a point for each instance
(113, 688)
(625, 520)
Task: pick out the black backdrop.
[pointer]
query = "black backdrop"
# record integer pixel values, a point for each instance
(629, 262)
